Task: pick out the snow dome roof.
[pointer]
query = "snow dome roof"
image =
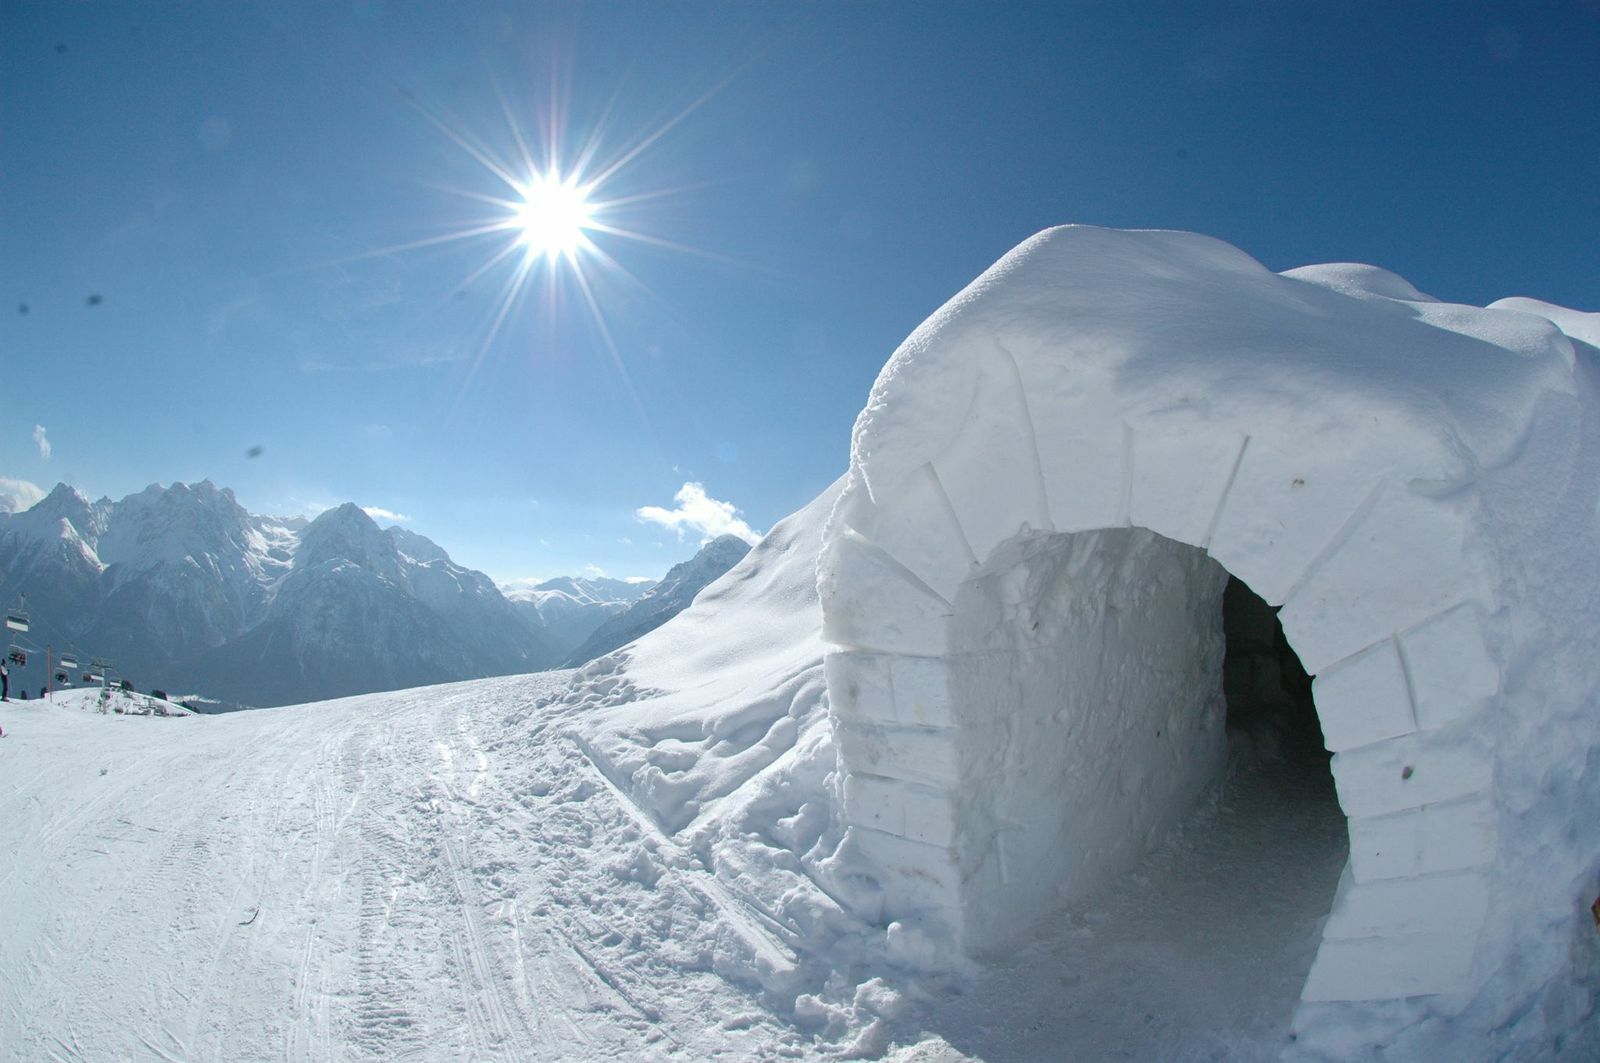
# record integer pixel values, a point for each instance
(1412, 481)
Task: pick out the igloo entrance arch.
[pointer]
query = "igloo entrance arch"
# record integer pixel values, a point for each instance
(1163, 397)
(1091, 668)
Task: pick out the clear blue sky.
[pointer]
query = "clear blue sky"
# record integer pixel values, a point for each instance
(213, 171)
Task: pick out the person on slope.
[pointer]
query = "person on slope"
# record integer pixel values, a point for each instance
(5, 683)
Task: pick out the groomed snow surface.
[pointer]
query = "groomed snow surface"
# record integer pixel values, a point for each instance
(401, 875)
(1010, 782)
(445, 874)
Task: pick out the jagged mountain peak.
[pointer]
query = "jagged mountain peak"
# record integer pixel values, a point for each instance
(716, 555)
(346, 532)
(43, 520)
(345, 513)
(202, 492)
(180, 524)
(62, 494)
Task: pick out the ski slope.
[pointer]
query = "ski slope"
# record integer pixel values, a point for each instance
(373, 878)
(443, 873)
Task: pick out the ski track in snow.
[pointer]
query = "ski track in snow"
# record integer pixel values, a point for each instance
(447, 873)
(409, 875)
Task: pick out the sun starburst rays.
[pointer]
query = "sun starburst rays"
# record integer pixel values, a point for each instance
(560, 195)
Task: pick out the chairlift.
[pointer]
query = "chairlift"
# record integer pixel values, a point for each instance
(69, 661)
(17, 615)
(17, 656)
(61, 679)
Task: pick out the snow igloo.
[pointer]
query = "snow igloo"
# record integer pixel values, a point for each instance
(1054, 482)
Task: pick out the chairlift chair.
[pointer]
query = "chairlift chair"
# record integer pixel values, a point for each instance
(17, 615)
(68, 661)
(17, 656)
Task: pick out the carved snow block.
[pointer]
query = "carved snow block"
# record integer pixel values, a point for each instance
(872, 602)
(996, 436)
(1364, 699)
(1380, 578)
(1452, 674)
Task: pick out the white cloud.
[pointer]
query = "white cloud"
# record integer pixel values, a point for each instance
(593, 571)
(379, 513)
(41, 442)
(18, 495)
(700, 512)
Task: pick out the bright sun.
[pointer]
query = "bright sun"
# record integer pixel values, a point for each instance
(553, 227)
(552, 216)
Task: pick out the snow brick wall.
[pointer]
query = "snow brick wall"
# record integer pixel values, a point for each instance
(1021, 589)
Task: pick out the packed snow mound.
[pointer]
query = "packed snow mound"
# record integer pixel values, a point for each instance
(1159, 321)
(699, 707)
(1357, 279)
(1575, 323)
(114, 701)
(1410, 480)
(715, 726)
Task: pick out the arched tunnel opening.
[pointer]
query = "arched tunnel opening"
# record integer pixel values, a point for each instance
(1148, 786)
(1268, 693)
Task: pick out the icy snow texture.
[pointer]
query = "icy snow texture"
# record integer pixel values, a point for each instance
(1413, 481)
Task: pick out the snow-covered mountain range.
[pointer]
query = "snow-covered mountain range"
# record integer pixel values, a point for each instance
(183, 588)
(664, 600)
(570, 608)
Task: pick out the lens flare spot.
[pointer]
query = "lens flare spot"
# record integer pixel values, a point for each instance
(552, 216)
